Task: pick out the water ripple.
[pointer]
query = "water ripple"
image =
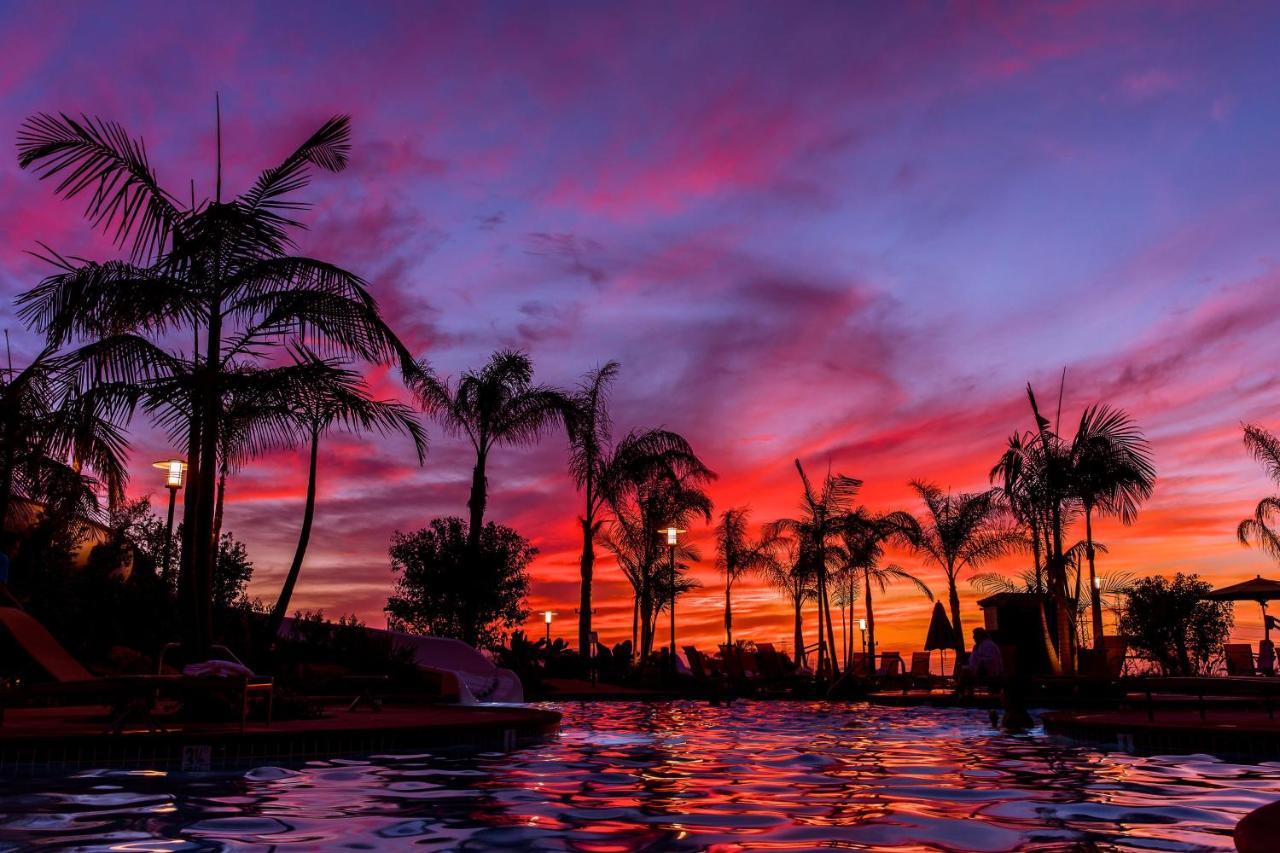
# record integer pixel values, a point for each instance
(677, 776)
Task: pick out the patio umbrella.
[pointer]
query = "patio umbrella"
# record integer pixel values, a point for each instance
(940, 636)
(1259, 589)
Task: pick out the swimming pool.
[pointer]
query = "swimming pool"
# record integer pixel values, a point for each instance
(678, 776)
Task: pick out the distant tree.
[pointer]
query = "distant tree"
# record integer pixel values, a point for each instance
(793, 575)
(495, 405)
(960, 530)
(739, 554)
(444, 591)
(605, 471)
(815, 530)
(864, 538)
(1170, 624)
(231, 573)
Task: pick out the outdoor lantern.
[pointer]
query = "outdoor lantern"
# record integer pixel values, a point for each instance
(862, 624)
(673, 534)
(547, 615)
(174, 470)
(1097, 582)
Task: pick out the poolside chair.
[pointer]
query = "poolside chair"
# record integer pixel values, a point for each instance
(128, 695)
(921, 674)
(697, 667)
(1239, 659)
(859, 664)
(890, 665)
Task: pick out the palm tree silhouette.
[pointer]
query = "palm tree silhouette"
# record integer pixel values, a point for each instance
(1259, 530)
(864, 538)
(337, 396)
(217, 272)
(961, 530)
(737, 554)
(50, 435)
(822, 514)
(1112, 473)
(497, 405)
(603, 470)
(668, 494)
(792, 574)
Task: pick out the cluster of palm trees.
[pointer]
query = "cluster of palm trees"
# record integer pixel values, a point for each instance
(235, 345)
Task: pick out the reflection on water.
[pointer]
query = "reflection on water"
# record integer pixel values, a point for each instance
(678, 776)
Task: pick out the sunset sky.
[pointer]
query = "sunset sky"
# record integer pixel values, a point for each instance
(846, 232)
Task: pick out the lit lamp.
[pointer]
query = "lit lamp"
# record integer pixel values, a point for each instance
(862, 626)
(1095, 594)
(673, 536)
(174, 473)
(546, 615)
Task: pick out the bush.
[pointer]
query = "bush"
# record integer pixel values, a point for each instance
(1171, 625)
(444, 592)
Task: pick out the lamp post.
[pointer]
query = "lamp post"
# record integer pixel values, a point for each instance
(175, 470)
(673, 536)
(546, 615)
(870, 665)
(1095, 595)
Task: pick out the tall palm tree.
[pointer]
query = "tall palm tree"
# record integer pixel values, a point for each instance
(792, 573)
(1260, 529)
(216, 271)
(822, 514)
(961, 530)
(339, 397)
(1111, 473)
(672, 494)
(497, 405)
(864, 539)
(603, 470)
(738, 554)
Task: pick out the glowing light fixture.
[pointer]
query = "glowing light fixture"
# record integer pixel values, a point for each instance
(862, 624)
(673, 534)
(175, 471)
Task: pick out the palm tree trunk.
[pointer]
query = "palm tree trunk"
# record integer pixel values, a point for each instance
(476, 504)
(728, 610)
(831, 633)
(204, 552)
(646, 618)
(871, 621)
(635, 626)
(304, 536)
(954, 597)
(217, 507)
(1095, 596)
(586, 567)
(801, 657)
(822, 639)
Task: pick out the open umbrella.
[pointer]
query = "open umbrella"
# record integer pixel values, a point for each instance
(1259, 589)
(940, 636)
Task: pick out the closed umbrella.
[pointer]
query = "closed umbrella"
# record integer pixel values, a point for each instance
(1259, 589)
(941, 636)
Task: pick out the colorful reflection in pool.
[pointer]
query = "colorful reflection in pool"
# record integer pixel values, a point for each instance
(679, 776)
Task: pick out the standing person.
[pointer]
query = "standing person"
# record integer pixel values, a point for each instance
(985, 665)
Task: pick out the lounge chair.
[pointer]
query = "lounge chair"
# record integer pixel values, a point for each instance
(697, 666)
(890, 665)
(921, 674)
(772, 663)
(128, 695)
(1240, 659)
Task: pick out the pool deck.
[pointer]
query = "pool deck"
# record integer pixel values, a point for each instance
(36, 741)
(1232, 732)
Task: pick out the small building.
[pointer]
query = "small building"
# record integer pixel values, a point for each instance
(1014, 621)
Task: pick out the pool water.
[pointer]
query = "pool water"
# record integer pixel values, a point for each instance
(677, 776)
